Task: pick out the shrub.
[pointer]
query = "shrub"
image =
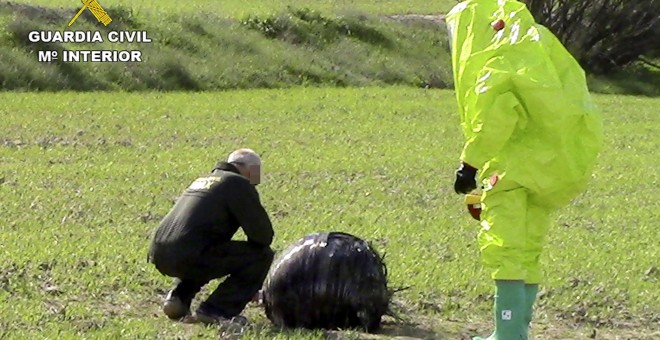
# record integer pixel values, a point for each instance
(603, 35)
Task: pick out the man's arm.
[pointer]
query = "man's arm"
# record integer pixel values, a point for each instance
(244, 203)
(491, 127)
(492, 113)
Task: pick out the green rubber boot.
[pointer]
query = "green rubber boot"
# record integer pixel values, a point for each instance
(510, 309)
(530, 297)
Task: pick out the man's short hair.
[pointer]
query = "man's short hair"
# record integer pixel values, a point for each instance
(245, 157)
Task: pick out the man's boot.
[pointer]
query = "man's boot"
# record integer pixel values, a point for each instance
(174, 307)
(510, 317)
(178, 300)
(530, 297)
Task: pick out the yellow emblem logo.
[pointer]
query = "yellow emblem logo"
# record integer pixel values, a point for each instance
(204, 183)
(99, 13)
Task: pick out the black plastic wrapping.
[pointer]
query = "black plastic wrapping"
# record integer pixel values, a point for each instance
(327, 281)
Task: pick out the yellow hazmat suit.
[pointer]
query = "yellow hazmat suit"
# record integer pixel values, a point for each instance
(530, 125)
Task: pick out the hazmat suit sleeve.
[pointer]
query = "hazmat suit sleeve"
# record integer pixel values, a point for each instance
(493, 115)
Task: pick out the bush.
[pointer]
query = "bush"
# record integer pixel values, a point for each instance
(603, 35)
(308, 27)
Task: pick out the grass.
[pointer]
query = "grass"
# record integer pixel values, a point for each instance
(238, 9)
(85, 178)
(256, 44)
(636, 78)
(203, 51)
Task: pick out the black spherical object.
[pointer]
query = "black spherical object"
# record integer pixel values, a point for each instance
(327, 281)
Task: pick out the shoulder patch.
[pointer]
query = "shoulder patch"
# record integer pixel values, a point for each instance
(204, 183)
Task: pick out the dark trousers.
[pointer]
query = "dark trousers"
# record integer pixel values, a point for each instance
(245, 265)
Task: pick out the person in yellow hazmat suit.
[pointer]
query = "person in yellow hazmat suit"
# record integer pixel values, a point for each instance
(532, 136)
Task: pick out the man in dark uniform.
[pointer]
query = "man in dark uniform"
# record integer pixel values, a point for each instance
(194, 241)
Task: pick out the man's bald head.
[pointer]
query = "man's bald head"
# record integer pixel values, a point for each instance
(248, 163)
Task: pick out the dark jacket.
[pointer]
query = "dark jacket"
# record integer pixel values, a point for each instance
(209, 212)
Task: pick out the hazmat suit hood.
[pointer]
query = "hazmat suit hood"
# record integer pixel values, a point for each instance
(525, 109)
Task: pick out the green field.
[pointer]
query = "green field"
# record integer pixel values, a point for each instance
(204, 51)
(353, 113)
(237, 8)
(85, 178)
(210, 46)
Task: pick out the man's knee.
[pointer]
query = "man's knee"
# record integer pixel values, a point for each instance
(166, 267)
(248, 254)
(504, 264)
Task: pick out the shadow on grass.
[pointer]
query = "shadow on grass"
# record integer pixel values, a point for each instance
(388, 330)
(308, 27)
(408, 330)
(637, 79)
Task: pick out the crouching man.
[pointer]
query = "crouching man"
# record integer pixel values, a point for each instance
(194, 241)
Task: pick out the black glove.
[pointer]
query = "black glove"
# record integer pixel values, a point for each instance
(465, 179)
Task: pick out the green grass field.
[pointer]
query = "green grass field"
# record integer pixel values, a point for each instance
(85, 178)
(204, 51)
(221, 45)
(353, 114)
(236, 8)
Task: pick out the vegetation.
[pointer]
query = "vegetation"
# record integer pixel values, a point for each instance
(604, 35)
(205, 50)
(86, 177)
(346, 102)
